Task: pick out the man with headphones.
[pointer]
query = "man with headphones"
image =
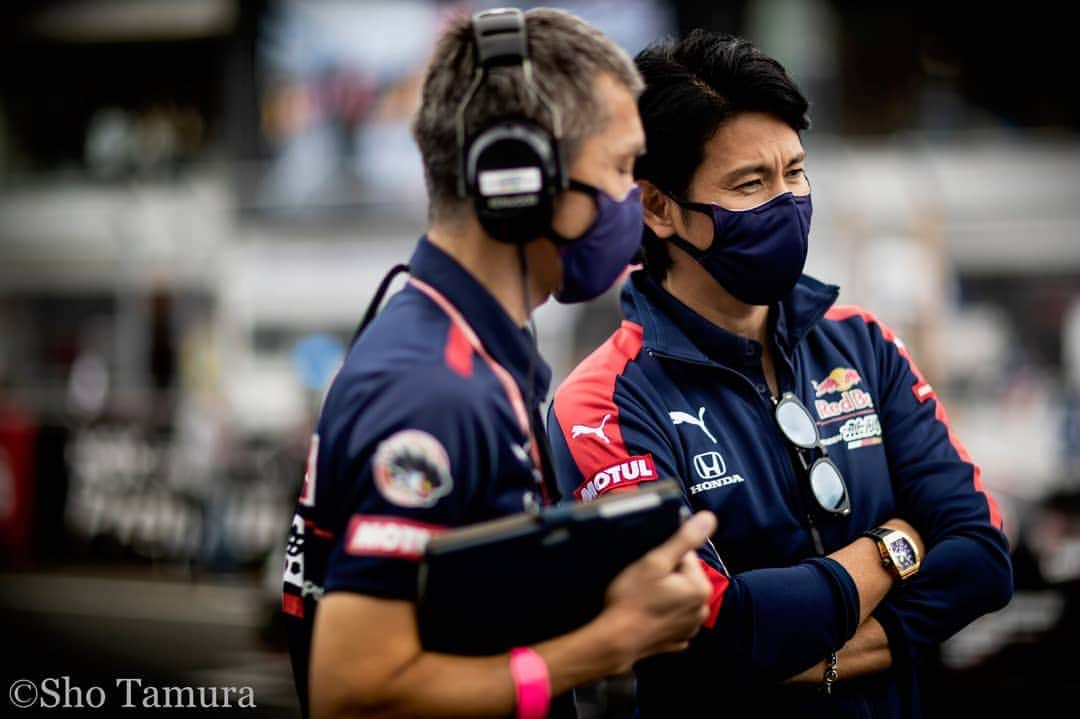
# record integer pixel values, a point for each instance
(528, 129)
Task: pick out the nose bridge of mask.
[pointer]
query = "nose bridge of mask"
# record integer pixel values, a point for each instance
(775, 200)
(758, 253)
(730, 226)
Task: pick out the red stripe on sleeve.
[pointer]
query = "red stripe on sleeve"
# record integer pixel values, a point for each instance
(923, 392)
(459, 351)
(719, 588)
(585, 403)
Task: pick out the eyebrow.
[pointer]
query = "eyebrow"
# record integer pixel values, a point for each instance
(741, 172)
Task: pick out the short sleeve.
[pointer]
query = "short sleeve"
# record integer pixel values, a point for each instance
(404, 468)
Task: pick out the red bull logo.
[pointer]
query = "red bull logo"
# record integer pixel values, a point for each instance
(850, 401)
(840, 380)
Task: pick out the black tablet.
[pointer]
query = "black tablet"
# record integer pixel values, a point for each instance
(488, 587)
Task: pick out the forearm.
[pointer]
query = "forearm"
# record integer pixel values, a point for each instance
(865, 653)
(961, 579)
(774, 622)
(441, 685)
(862, 561)
(367, 658)
(872, 581)
(436, 685)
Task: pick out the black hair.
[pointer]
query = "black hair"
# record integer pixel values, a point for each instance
(692, 87)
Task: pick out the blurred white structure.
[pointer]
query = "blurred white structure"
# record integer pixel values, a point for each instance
(894, 224)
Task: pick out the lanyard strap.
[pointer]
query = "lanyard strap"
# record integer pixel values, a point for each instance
(513, 392)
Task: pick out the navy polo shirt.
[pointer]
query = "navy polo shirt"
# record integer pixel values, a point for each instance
(418, 433)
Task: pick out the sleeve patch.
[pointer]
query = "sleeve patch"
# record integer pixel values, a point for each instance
(412, 469)
(923, 391)
(630, 471)
(374, 536)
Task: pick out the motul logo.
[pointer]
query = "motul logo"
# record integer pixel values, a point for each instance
(388, 537)
(639, 468)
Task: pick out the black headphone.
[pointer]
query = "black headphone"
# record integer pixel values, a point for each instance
(512, 168)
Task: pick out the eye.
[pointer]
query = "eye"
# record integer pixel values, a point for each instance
(797, 173)
(749, 186)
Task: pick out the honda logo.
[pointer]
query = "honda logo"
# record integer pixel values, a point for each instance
(709, 465)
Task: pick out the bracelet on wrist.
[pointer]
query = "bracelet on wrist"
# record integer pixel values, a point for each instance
(532, 685)
(831, 675)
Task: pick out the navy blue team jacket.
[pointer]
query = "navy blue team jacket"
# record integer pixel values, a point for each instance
(417, 434)
(671, 395)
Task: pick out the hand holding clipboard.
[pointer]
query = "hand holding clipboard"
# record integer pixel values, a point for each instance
(533, 576)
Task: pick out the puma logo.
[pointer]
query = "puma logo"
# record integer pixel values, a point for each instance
(581, 429)
(687, 418)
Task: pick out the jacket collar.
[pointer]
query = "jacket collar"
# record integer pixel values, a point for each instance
(668, 324)
(506, 342)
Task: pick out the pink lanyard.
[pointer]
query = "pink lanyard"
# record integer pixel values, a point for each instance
(513, 393)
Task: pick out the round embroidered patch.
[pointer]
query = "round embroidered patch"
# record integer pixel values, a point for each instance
(412, 469)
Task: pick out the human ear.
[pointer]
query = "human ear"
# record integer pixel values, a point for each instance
(658, 209)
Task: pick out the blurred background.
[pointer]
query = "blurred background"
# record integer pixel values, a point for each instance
(198, 198)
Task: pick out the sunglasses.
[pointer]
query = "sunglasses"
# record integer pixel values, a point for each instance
(826, 482)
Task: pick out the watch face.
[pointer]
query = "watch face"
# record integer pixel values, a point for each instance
(902, 553)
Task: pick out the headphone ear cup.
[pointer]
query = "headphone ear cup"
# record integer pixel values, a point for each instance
(513, 170)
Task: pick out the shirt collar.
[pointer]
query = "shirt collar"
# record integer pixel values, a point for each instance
(669, 325)
(506, 342)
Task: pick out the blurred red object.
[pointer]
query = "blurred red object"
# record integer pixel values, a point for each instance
(17, 437)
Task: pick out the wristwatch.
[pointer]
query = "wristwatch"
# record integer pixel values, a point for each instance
(898, 553)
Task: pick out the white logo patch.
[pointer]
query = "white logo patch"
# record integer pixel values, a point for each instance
(712, 468)
(678, 418)
(632, 470)
(861, 431)
(369, 536)
(412, 469)
(583, 429)
(709, 465)
(294, 554)
(716, 483)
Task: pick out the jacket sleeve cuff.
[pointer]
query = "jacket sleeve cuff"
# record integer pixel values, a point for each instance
(846, 592)
(781, 620)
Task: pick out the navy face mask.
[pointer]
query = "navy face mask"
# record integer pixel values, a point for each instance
(593, 261)
(757, 254)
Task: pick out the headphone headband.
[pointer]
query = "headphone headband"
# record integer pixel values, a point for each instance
(500, 37)
(513, 167)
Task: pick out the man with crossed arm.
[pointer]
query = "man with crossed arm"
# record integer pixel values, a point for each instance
(854, 531)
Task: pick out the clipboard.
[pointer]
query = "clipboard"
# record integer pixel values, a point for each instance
(518, 580)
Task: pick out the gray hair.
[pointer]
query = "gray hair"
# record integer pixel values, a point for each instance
(566, 55)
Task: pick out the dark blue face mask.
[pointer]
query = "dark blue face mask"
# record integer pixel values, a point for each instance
(757, 254)
(594, 260)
